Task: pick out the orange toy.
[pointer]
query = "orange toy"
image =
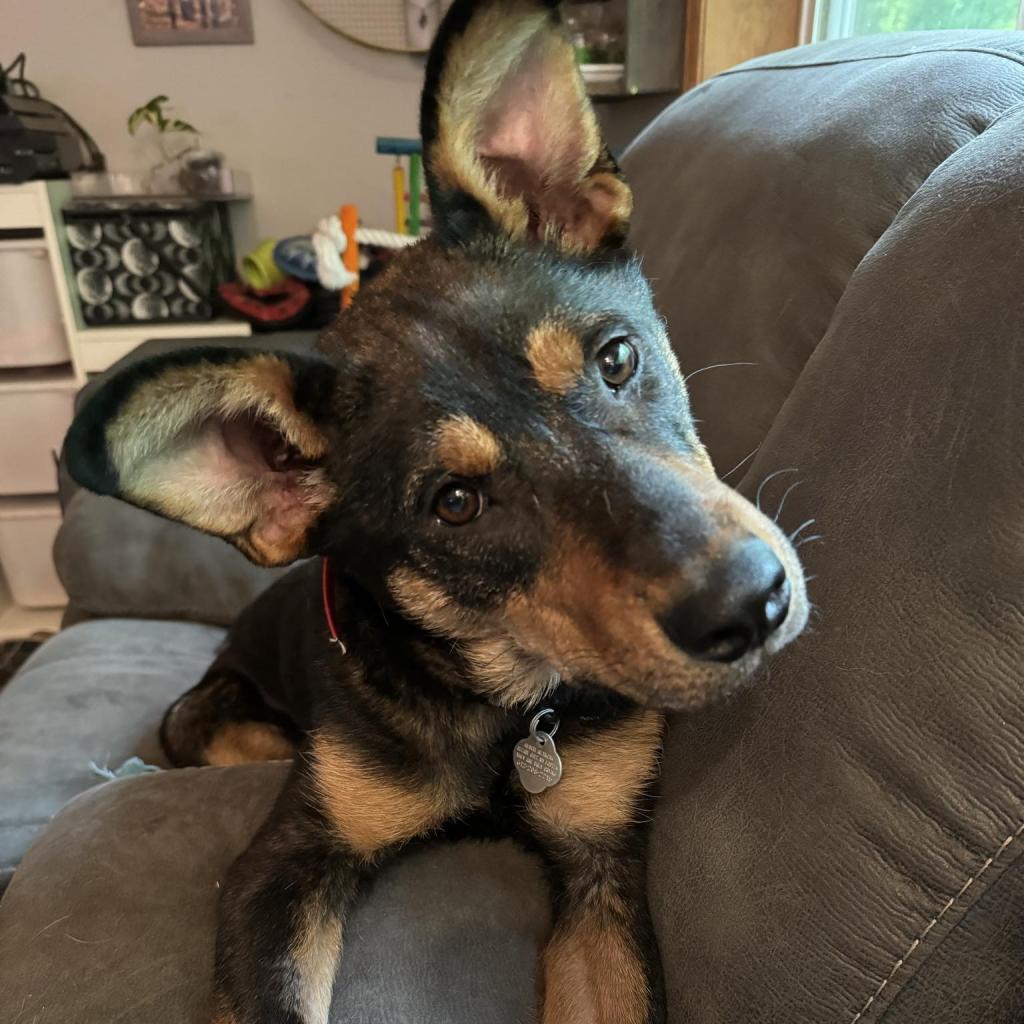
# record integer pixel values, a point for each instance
(349, 217)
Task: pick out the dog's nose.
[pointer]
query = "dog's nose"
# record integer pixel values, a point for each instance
(743, 600)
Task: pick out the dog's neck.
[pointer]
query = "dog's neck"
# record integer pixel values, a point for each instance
(403, 657)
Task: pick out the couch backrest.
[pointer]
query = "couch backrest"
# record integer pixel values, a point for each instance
(844, 842)
(760, 192)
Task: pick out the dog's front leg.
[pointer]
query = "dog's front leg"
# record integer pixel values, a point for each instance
(281, 915)
(285, 900)
(600, 965)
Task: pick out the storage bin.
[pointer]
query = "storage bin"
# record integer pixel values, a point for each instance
(156, 261)
(31, 330)
(28, 527)
(33, 423)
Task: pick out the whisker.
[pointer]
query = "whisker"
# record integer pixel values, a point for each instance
(608, 505)
(782, 504)
(746, 458)
(713, 366)
(796, 533)
(766, 480)
(808, 540)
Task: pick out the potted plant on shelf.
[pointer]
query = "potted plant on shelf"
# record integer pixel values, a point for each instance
(184, 166)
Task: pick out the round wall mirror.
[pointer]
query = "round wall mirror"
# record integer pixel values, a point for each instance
(402, 26)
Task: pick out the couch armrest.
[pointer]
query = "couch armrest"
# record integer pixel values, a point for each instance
(112, 914)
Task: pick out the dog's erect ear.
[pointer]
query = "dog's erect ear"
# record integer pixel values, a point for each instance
(510, 139)
(225, 440)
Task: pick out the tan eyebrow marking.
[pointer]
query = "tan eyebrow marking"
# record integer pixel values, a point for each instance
(556, 357)
(466, 447)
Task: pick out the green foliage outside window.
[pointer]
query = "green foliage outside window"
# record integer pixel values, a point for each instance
(864, 17)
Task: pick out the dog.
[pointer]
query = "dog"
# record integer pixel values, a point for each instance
(517, 531)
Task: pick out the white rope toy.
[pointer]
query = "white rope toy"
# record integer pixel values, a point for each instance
(329, 242)
(385, 239)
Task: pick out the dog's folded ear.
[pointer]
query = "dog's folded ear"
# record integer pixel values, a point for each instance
(229, 441)
(511, 141)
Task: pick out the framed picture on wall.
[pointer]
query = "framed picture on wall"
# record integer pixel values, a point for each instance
(190, 22)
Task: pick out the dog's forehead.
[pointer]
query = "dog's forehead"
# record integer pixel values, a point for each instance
(457, 355)
(437, 316)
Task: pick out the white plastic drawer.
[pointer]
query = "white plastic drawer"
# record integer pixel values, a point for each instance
(28, 527)
(31, 330)
(32, 427)
(20, 208)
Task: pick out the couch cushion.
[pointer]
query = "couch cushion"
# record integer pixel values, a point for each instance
(95, 692)
(112, 914)
(758, 194)
(118, 560)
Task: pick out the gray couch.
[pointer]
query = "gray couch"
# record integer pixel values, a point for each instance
(842, 843)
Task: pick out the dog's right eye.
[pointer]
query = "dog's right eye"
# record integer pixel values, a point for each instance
(617, 362)
(457, 504)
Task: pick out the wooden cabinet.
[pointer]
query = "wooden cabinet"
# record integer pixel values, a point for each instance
(722, 33)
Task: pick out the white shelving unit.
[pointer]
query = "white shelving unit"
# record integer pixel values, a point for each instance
(35, 206)
(100, 347)
(17, 623)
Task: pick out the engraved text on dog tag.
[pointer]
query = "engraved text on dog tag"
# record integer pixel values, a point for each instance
(536, 759)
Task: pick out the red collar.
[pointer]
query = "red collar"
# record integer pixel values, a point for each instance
(326, 588)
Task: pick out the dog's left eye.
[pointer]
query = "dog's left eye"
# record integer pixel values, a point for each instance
(617, 361)
(458, 504)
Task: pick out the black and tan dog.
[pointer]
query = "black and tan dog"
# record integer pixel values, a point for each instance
(495, 451)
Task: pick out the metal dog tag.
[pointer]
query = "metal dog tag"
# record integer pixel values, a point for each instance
(535, 757)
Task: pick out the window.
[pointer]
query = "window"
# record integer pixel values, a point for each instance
(834, 19)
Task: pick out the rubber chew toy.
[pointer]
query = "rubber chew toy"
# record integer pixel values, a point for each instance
(349, 216)
(259, 271)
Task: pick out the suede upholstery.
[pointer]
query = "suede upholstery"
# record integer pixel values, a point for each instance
(94, 693)
(759, 193)
(826, 845)
(841, 843)
(123, 927)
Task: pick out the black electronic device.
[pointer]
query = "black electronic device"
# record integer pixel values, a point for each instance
(37, 138)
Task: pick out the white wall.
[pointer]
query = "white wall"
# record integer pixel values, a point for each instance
(299, 109)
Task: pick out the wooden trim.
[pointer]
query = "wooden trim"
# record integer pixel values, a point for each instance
(723, 33)
(693, 43)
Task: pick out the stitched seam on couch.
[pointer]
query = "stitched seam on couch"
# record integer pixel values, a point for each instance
(936, 918)
(1006, 54)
